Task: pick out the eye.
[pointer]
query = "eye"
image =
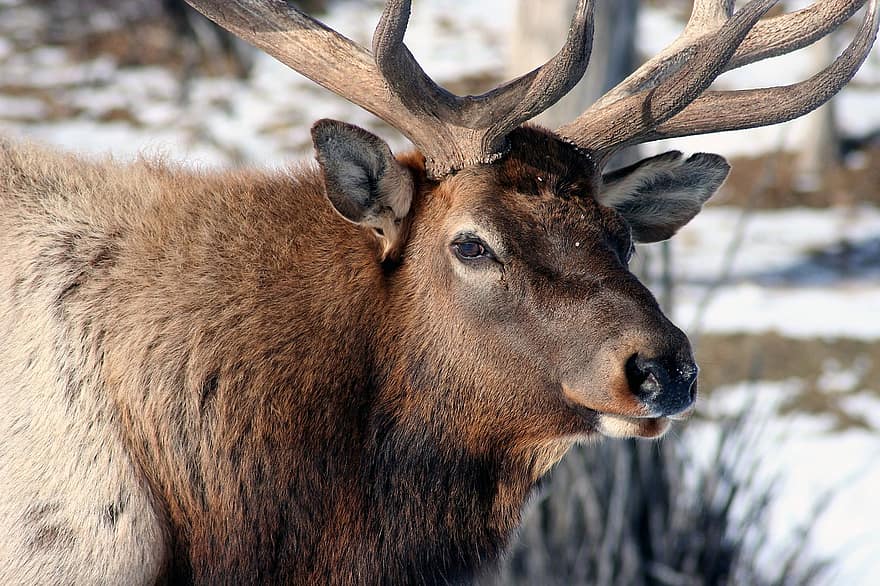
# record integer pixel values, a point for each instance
(631, 251)
(624, 247)
(471, 249)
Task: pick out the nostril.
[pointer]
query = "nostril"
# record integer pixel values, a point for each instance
(646, 378)
(665, 391)
(635, 375)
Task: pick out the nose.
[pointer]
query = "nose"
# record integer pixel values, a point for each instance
(666, 386)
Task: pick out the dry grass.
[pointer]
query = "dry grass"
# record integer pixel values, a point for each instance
(646, 514)
(728, 359)
(844, 185)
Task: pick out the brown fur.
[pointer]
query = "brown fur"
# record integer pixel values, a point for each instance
(279, 404)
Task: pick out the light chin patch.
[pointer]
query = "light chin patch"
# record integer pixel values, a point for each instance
(618, 426)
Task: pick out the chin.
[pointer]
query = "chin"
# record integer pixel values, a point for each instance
(620, 426)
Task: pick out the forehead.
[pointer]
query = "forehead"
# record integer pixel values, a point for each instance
(539, 163)
(543, 187)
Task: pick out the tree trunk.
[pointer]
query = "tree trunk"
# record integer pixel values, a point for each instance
(818, 151)
(540, 29)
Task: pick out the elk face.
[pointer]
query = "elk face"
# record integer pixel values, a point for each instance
(515, 279)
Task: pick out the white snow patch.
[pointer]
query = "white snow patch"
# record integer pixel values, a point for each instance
(836, 378)
(801, 313)
(864, 405)
(5, 48)
(800, 272)
(21, 108)
(809, 461)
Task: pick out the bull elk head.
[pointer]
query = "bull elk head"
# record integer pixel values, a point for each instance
(475, 147)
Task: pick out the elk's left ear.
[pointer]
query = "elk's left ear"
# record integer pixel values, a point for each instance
(364, 182)
(659, 195)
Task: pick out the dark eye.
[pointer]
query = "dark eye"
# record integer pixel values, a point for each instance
(469, 249)
(631, 251)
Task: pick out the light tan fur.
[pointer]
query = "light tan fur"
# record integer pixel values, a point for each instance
(66, 477)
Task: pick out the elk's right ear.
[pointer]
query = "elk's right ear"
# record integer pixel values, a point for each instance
(659, 195)
(364, 182)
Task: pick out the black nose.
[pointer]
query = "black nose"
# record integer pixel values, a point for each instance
(665, 386)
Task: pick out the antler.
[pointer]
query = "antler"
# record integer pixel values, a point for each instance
(452, 131)
(666, 97)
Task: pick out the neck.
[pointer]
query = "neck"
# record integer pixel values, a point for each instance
(436, 505)
(430, 512)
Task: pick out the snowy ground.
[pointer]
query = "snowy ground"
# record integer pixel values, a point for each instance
(799, 272)
(809, 458)
(803, 273)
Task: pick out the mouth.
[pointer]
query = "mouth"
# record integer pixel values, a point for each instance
(622, 426)
(626, 419)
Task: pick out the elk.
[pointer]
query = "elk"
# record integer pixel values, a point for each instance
(356, 372)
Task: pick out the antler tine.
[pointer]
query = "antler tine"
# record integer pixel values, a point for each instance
(789, 32)
(622, 122)
(452, 132)
(768, 38)
(445, 147)
(706, 17)
(528, 95)
(733, 110)
(399, 68)
(709, 13)
(305, 45)
(476, 125)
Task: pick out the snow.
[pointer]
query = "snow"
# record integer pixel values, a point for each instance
(799, 272)
(803, 273)
(809, 460)
(775, 243)
(5, 48)
(22, 108)
(805, 313)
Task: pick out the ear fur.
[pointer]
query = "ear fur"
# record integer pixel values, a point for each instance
(659, 195)
(363, 180)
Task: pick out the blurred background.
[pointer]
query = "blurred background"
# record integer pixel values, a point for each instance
(776, 479)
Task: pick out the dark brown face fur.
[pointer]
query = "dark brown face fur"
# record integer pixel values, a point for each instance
(530, 341)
